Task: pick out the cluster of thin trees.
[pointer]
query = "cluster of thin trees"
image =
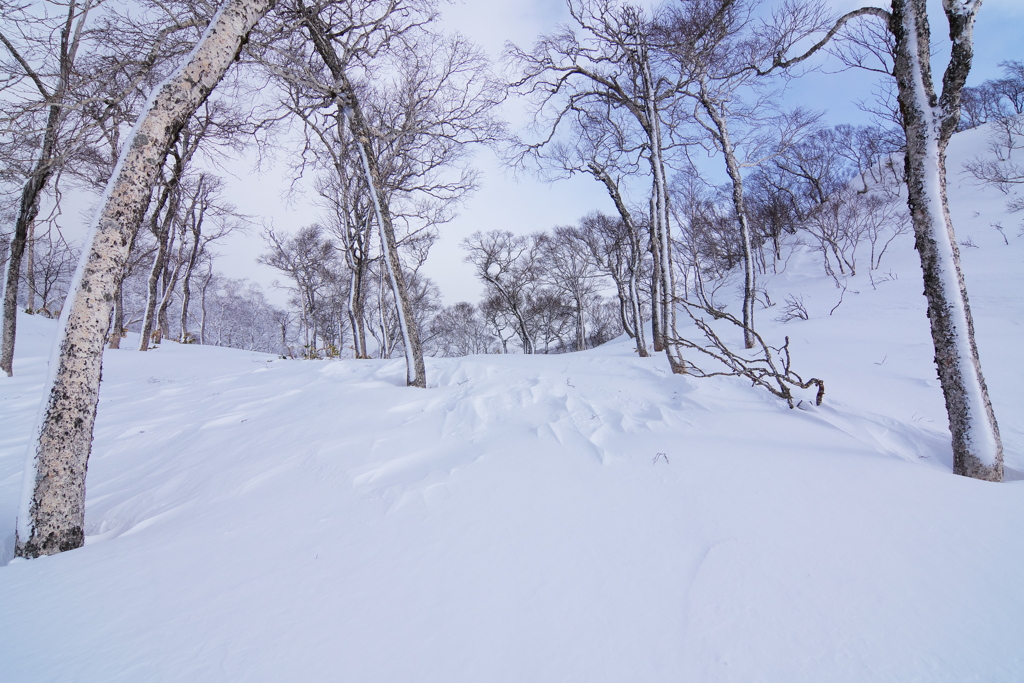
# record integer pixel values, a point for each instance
(122, 99)
(547, 299)
(999, 103)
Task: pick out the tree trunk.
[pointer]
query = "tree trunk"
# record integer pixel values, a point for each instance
(732, 167)
(348, 101)
(186, 280)
(661, 221)
(657, 327)
(52, 512)
(44, 169)
(356, 314)
(416, 373)
(170, 281)
(152, 286)
(27, 211)
(30, 270)
(929, 122)
(637, 321)
(117, 326)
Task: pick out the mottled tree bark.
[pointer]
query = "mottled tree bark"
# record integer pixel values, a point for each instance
(929, 122)
(52, 513)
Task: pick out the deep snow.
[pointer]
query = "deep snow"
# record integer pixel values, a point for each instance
(585, 517)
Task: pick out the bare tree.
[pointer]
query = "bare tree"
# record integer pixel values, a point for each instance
(54, 266)
(929, 119)
(510, 267)
(459, 330)
(51, 516)
(307, 259)
(57, 63)
(442, 102)
(599, 145)
(80, 85)
(610, 57)
(208, 219)
(617, 250)
(570, 268)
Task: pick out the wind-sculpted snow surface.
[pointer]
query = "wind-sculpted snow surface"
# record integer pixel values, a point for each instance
(584, 517)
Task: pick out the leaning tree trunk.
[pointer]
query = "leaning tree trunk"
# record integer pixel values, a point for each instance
(37, 181)
(732, 167)
(28, 209)
(929, 122)
(416, 373)
(348, 101)
(52, 513)
(636, 319)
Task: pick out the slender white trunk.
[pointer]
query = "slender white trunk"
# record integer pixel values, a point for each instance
(732, 167)
(415, 369)
(52, 513)
(662, 226)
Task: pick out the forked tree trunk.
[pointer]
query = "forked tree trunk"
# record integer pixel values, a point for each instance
(929, 122)
(356, 314)
(52, 512)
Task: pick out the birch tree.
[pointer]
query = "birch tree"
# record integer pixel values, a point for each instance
(52, 512)
(80, 86)
(57, 64)
(611, 57)
(929, 120)
(386, 98)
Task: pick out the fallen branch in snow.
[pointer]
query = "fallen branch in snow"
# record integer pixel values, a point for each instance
(765, 366)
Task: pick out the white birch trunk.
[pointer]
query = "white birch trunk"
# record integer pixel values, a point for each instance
(929, 122)
(732, 167)
(662, 226)
(52, 512)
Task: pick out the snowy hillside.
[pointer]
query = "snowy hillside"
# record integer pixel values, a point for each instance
(583, 517)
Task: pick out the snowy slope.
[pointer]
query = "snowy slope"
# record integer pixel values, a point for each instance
(586, 517)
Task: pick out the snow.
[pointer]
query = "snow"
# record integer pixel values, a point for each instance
(588, 516)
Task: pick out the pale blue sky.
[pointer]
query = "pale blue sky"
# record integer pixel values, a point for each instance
(526, 205)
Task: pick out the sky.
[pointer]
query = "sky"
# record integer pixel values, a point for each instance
(523, 204)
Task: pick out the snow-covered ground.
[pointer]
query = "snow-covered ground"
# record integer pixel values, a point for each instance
(585, 517)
